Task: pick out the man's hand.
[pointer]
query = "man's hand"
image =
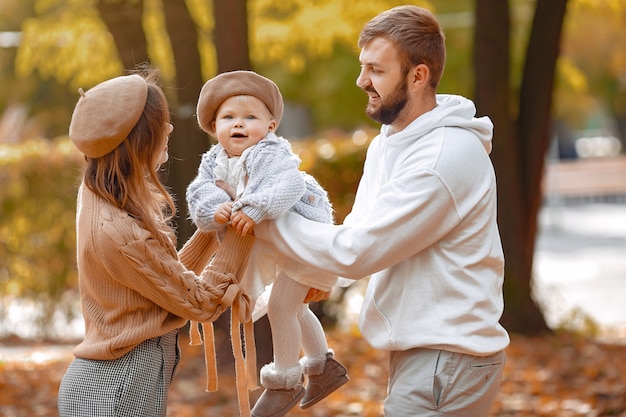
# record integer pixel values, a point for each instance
(222, 213)
(316, 295)
(242, 223)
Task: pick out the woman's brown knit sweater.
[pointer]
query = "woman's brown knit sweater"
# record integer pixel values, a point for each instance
(132, 287)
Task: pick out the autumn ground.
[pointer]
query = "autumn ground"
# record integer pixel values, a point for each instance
(558, 375)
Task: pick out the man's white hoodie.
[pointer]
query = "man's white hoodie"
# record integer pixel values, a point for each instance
(423, 226)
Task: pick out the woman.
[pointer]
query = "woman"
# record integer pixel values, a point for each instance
(135, 291)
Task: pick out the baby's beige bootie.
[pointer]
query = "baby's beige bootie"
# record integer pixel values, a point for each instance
(283, 390)
(325, 375)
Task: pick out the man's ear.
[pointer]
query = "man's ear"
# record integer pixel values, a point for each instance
(420, 76)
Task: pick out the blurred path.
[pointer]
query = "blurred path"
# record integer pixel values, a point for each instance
(580, 266)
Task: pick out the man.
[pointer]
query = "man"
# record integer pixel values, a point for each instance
(423, 225)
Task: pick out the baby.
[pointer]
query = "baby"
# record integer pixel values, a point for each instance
(251, 175)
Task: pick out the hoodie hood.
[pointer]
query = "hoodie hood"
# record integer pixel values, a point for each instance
(451, 111)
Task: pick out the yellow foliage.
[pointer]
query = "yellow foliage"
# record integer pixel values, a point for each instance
(593, 58)
(571, 76)
(38, 183)
(202, 14)
(297, 31)
(610, 6)
(67, 41)
(159, 47)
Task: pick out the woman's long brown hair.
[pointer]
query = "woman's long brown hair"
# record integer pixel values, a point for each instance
(127, 177)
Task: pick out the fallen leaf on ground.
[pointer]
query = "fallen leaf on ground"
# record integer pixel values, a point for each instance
(557, 375)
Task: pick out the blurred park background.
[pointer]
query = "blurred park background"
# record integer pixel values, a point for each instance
(550, 73)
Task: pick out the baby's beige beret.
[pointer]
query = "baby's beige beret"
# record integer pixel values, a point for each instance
(236, 83)
(105, 115)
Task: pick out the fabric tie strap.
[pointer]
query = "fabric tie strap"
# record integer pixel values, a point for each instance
(235, 294)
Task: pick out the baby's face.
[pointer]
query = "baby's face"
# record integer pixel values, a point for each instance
(241, 122)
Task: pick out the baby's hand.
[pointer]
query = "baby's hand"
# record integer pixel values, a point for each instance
(222, 213)
(242, 223)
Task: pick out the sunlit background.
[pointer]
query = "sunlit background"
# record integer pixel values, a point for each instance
(50, 48)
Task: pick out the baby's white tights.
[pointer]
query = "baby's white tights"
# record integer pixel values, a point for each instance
(294, 325)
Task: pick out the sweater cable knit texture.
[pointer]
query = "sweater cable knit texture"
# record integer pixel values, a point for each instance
(133, 288)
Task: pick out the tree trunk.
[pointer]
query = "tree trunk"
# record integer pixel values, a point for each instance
(188, 142)
(534, 121)
(520, 143)
(124, 22)
(231, 35)
(493, 97)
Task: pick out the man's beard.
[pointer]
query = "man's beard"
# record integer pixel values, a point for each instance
(390, 109)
